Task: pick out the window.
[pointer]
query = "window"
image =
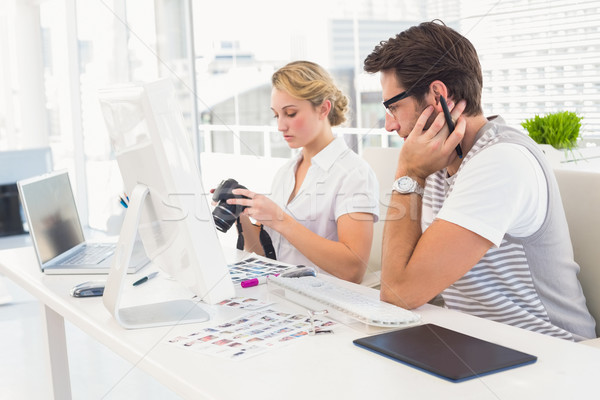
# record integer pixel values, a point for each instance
(537, 57)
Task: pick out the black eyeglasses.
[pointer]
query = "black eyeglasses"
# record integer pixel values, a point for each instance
(388, 103)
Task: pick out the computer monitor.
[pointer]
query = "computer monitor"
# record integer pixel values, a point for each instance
(16, 165)
(167, 204)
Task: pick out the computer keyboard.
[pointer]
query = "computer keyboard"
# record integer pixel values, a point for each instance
(341, 301)
(90, 254)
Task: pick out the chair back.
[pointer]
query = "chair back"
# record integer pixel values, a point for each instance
(580, 193)
(383, 161)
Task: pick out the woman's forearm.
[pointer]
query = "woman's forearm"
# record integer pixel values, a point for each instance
(346, 259)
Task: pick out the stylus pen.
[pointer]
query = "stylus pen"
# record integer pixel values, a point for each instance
(146, 278)
(450, 123)
(255, 281)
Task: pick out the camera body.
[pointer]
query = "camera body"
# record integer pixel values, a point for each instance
(225, 214)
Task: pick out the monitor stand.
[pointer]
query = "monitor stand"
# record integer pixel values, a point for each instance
(149, 315)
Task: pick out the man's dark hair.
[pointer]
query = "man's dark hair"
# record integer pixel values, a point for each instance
(428, 52)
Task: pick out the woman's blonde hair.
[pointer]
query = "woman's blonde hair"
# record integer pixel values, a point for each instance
(306, 80)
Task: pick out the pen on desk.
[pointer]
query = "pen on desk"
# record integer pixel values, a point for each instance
(146, 278)
(255, 281)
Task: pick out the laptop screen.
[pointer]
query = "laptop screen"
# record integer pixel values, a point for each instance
(51, 214)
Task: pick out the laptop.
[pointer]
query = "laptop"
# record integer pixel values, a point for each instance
(56, 231)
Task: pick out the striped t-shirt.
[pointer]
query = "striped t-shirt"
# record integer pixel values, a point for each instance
(528, 282)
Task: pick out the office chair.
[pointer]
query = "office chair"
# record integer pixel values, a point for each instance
(383, 161)
(580, 193)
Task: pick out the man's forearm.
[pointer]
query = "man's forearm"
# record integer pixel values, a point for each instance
(402, 231)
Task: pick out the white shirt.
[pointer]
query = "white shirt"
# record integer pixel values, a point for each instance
(338, 182)
(487, 201)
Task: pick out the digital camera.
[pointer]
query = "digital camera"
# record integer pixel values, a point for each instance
(225, 214)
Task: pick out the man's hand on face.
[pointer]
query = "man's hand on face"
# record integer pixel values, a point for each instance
(427, 150)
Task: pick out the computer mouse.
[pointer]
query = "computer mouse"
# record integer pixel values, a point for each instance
(299, 271)
(88, 289)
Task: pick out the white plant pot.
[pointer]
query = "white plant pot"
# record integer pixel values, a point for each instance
(562, 156)
(553, 155)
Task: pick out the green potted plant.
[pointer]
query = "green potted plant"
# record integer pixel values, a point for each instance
(559, 130)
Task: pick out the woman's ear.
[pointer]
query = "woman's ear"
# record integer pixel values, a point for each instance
(325, 109)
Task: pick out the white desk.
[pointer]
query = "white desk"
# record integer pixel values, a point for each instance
(314, 367)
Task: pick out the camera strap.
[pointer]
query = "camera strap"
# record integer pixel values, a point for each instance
(266, 243)
(263, 237)
(240, 239)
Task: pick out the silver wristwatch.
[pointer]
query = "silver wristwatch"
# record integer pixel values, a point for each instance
(406, 185)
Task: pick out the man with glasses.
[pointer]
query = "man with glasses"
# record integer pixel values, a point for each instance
(484, 228)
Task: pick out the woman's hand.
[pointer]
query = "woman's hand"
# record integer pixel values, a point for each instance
(260, 208)
(346, 258)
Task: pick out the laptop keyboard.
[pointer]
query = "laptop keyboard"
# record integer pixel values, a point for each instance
(90, 254)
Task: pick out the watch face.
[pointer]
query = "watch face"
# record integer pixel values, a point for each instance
(405, 184)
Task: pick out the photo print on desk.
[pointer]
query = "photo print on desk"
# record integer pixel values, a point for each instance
(245, 303)
(250, 334)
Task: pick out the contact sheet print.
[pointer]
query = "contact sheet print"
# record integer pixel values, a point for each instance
(250, 334)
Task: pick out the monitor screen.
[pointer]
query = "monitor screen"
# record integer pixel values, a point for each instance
(16, 165)
(11, 222)
(152, 148)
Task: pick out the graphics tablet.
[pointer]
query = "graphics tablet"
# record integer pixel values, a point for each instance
(445, 353)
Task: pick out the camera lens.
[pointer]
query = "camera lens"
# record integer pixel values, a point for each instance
(225, 214)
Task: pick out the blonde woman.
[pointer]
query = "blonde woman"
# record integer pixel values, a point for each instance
(324, 201)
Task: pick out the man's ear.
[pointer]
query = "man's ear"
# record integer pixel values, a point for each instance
(436, 89)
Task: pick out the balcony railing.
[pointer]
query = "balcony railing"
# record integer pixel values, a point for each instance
(271, 144)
